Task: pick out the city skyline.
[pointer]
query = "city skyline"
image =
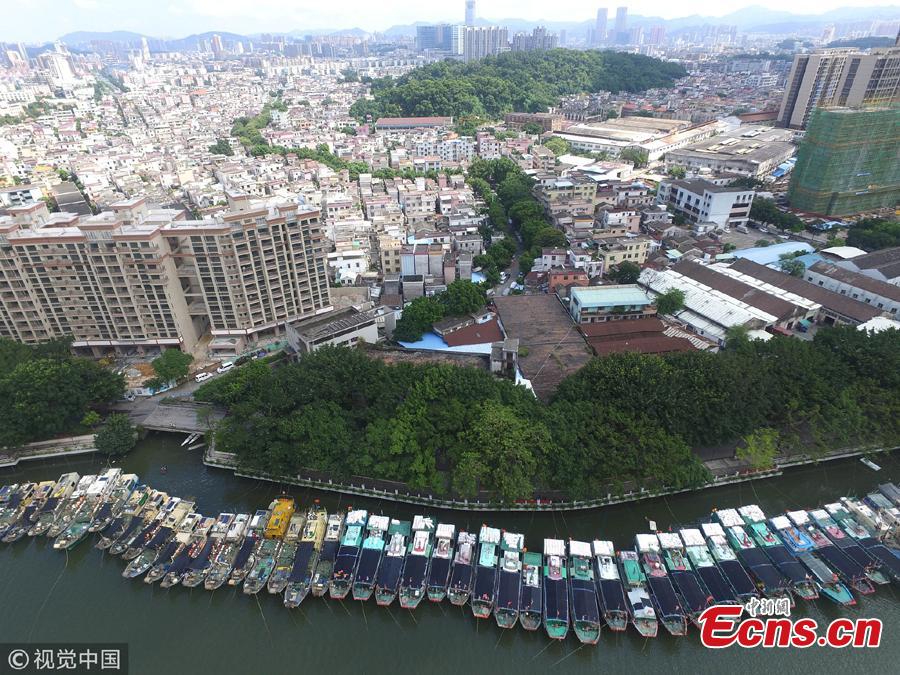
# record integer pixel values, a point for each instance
(35, 22)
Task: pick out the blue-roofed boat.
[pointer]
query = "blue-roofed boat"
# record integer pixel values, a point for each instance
(506, 609)
(711, 577)
(769, 580)
(484, 591)
(585, 608)
(556, 589)
(462, 572)
(851, 572)
(387, 581)
(347, 555)
(801, 582)
(687, 583)
(417, 567)
(370, 556)
(441, 562)
(803, 548)
(668, 605)
(531, 595)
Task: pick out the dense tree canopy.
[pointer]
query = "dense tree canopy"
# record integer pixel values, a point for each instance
(525, 81)
(625, 418)
(873, 234)
(117, 437)
(46, 391)
(766, 211)
(172, 364)
(417, 319)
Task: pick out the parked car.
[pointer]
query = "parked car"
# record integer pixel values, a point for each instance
(225, 367)
(203, 377)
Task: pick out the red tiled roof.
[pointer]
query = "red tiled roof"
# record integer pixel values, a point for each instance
(641, 345)
(476, 334)
(617, 328)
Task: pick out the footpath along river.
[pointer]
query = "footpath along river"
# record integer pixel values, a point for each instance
(46, 595)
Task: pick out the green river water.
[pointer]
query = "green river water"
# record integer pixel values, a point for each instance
(48, 596)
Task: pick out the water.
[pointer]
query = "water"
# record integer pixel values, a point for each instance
(46, 595)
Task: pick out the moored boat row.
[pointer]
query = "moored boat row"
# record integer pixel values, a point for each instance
(667, 578)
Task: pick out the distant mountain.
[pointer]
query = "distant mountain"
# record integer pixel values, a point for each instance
(83, 37)
(864, 43)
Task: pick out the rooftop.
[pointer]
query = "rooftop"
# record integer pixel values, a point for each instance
(317, 328)
(610, 296)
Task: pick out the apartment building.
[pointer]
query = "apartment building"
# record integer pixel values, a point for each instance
(839, 77)
(135, 277)
(703, 202)
(614, 250)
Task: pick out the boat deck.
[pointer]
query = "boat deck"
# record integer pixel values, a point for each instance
(508, 589)
(556, 599)
(531, 599)
(688, 585)
(666, 599)
(345, 561)
(738, 578)
(842, 564)
(161, 537)
(758, 564)
(202, 559)
(415, 571)
(388, 577)
(439, 574)
(882, 554)
(485, 583)
(461, 577)
(612, 595)
(243, 553)
(369, 562)
(584, 600)
(716, 584)
(300, 569)
(787, 564)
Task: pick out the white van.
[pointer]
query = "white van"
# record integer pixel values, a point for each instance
(225, 367)
(203, 377)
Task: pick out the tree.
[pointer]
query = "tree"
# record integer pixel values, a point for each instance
(221, 147)
(461, 297)
(677, 172)
(637, 156)
(558, 146)
(729, 247)
(625, 272)
(760, 448)
(418, 317)
(533, 129)
(172, 365)
(670, 302)
(873, 234)
(795, 268)
(762, 242)
(117, 437)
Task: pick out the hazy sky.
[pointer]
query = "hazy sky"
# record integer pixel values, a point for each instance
(36, 20)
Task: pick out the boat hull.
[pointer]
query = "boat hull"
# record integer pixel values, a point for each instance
(616, 621)
(530, 620)
(588, 634)
(506, 618)
(646, 627)
(481, 609)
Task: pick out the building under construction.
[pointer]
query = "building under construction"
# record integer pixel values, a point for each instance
(848, 162)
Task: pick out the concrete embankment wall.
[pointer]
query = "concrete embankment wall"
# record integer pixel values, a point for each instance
(57, 447)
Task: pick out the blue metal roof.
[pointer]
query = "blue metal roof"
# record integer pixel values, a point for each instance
(769, 254)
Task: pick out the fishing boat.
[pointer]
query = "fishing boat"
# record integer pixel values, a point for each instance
(147, 519)
(484, 591)
(30, 507)
(531, 594)
(890, 491)
(506, 609)
(802, 547)
(610, 592)
(641, 608)
(95, 495)
(414, 579)
(873, 555)
(305, 562)
(370, 557)
(246, 555)
(847, 545)
(885, 508)
(202, 551)
(441, 561)
(685, 580)
(672, 612)
(284, 563)
(801, 582)
(556, 589)
(198, 548)
(114, 502)
(726, 560)
(282, 511)
(51, 509)
(265, 555)
(167, 521)
(851, 572)
(334, 532)
(16, 504)
(770, 581)
(223, 558)
(583, 593)
(120, 523)
(6, 493)
(387, 581)
(347, 555)
(157, 559)
(71, 507)
(711, 578)
(462, 572)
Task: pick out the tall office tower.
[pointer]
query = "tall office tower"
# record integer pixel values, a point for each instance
(657, 35)
(839, 77)
(621, 25)
(600, 27)
(470, 12)
(828, 35)
(434, 38)
(145, 49)
(847, 161)
(135, 277)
